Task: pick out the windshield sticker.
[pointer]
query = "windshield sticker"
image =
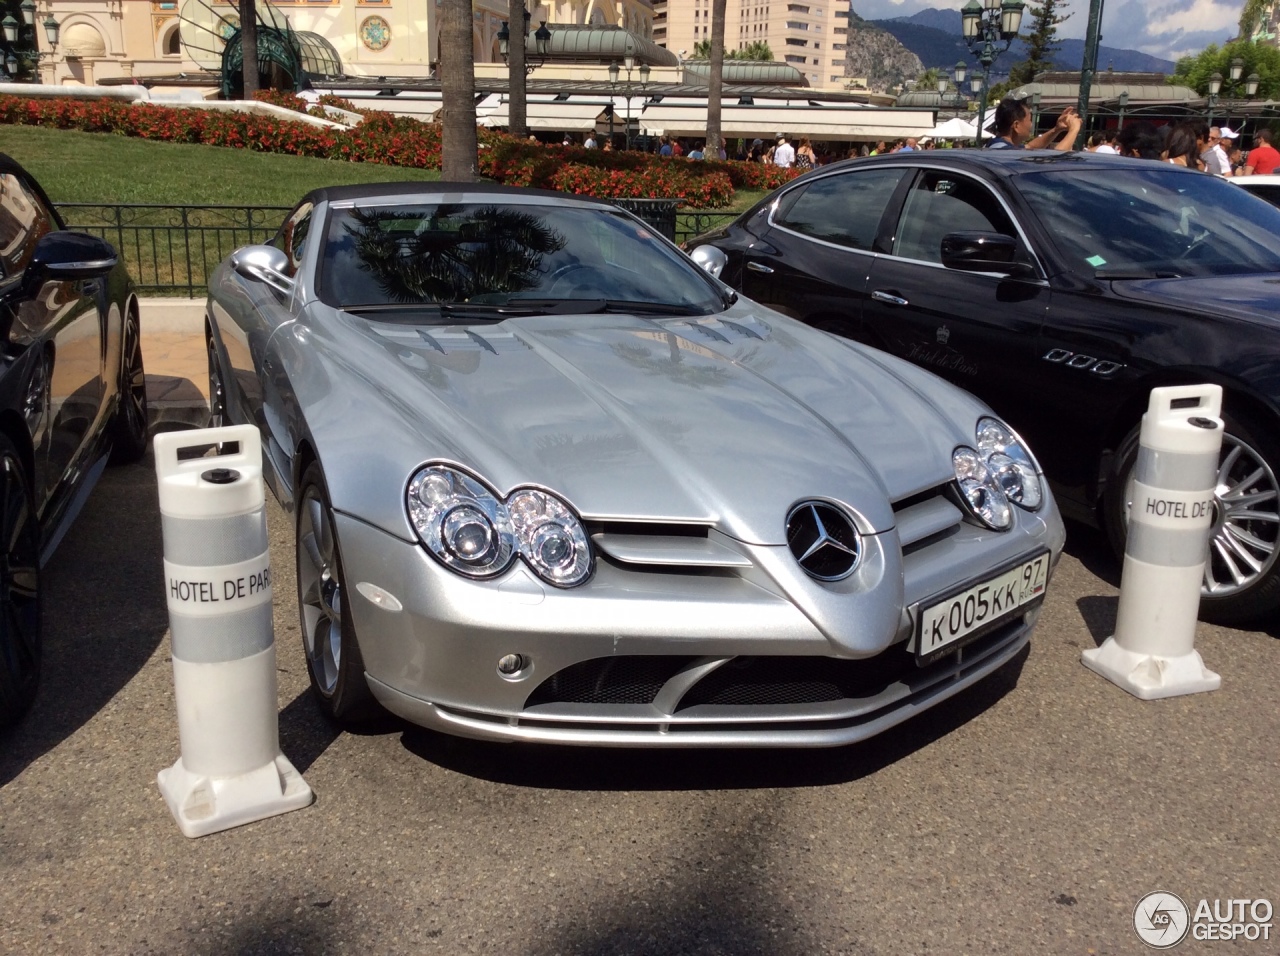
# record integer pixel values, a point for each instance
(1096, 261)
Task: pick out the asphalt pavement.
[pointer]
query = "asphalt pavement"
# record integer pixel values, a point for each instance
(1027, 816)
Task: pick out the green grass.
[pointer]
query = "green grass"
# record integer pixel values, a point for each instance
(100, 167)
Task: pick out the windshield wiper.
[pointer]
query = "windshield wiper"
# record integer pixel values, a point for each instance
(592, 306)
(1137, 274)
(445, 310)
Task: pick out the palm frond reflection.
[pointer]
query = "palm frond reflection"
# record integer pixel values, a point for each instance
(451, 253)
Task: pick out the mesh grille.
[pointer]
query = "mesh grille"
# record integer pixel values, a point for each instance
(750, 681)
(608, 680)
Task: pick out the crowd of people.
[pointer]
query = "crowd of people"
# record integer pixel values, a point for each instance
(1194, 143)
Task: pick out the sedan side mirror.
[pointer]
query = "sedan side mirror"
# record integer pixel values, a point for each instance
(711, 259)
(264, 264)
(983, 252)
(64, 255)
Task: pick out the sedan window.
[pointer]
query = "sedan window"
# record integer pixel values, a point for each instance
(490, 254)
(1153, 220)
(941, 203)
(844, 209)
(23, 220)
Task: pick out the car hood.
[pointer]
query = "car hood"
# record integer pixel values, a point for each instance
(1250, 297)
(726, 421)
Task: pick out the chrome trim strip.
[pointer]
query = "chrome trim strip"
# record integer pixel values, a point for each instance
(671, 550)
(927, 518)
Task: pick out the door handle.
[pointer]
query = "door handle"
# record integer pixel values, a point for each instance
(881, 296)
(760, 267)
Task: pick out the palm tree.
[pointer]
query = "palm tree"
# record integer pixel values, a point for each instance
(716, 79)
(516, 113)
(755, 50)
(458, 142)
(1253, 16)
(249, 46)
(453, 254)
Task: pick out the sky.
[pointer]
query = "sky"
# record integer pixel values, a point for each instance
(1167, 28)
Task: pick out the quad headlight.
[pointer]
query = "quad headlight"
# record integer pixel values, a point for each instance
(474, 532)
(997, 475)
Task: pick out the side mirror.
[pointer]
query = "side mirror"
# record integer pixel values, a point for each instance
(63, 255)
(263, 264)
(711, 259)
(983, 252)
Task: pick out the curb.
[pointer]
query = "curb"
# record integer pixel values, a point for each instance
(163, 314)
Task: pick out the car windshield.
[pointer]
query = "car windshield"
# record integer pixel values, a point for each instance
(507, 258)
(1153, 221)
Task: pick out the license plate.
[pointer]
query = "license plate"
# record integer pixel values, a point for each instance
(945, 624)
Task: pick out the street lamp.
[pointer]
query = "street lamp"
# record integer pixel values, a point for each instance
(20, 39)
(629, 63)
(1235, 70)
(1124, 103)
(541, 40)
(984, 26)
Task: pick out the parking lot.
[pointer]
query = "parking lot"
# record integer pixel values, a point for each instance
(1028, 816)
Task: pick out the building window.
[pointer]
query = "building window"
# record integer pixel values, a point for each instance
(794, 59)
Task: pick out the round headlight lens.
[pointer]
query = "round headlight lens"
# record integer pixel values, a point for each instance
(980, 490)
(1010, 462)
(550, 537)
(461, 521)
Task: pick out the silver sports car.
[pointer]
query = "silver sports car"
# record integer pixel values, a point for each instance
(554, 482)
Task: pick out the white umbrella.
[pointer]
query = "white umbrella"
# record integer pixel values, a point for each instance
(955, 128)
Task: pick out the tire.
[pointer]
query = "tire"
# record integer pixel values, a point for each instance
(20, 610)
(1242, 576)
(217, 387)
(328, 635)
(129, 426)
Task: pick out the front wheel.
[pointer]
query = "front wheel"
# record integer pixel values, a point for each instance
(129, 427)
(1241, 582)
(328, 635)
(19, 587)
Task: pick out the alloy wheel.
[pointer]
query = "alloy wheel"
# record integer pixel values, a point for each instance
(134, 385)
(320, 592)
(217, 392)
(19, 588)
(1243, 541)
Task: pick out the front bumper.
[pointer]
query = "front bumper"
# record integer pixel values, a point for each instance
(653, 658)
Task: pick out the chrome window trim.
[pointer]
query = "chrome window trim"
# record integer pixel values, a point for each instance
(1022, 235)
(1042, 273)
(809, 181)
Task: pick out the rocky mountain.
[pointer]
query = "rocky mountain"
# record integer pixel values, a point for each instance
(934, 36)
(874, 53)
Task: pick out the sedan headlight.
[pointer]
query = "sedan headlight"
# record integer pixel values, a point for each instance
(474, 532)
(1000, 473)
(980, 491)
(1010, 462)
(461, 522)
(551, 537)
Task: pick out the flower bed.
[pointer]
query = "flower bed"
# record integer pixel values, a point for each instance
(401, 141)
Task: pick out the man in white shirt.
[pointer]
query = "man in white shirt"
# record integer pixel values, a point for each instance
(1214, 158)
(784, 155)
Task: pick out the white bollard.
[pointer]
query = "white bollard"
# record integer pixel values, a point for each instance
(1152, 654)
(218, 585)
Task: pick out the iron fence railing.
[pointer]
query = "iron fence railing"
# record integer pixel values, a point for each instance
(172, 250)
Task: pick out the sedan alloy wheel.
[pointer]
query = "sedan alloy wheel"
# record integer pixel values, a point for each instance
(19, 588)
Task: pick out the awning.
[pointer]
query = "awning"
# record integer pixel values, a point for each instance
(560, 117)
(766, 122)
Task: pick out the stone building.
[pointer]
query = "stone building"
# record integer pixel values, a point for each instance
(104, 39)
(810, 35)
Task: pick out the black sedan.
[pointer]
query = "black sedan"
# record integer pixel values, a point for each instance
(1061, 288)
(72, 396)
